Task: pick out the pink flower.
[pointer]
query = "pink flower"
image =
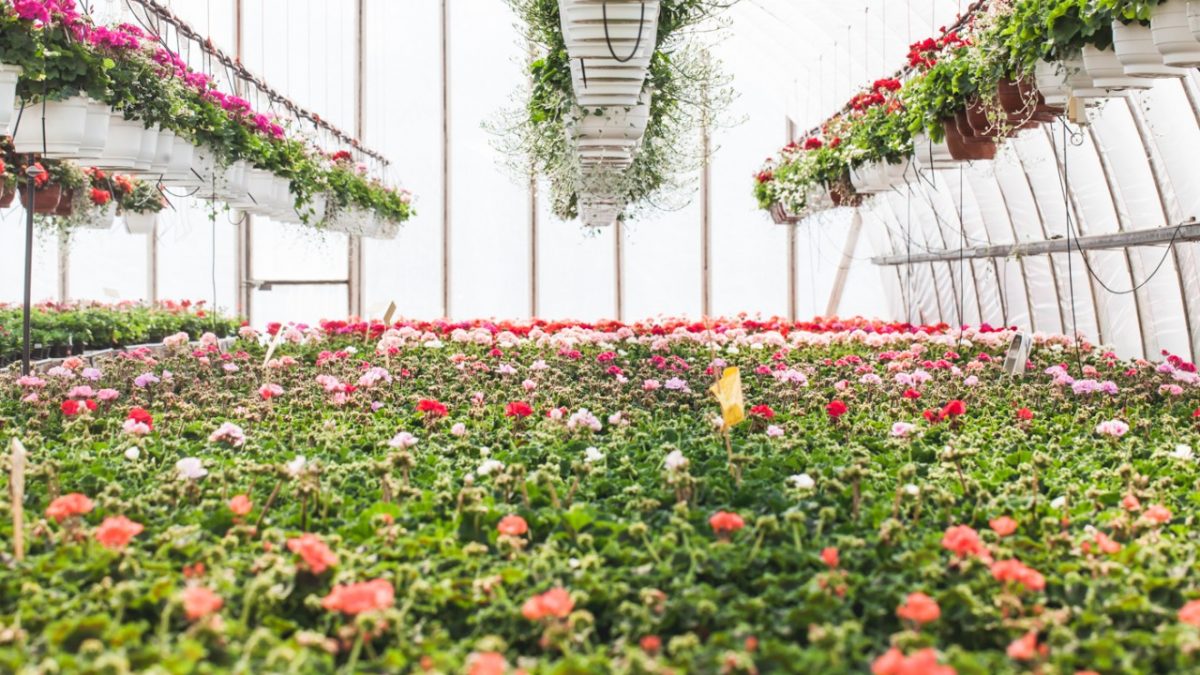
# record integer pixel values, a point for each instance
(270, 391)
(486, 663)
(67, 506)
(650, 385)
(774, 431)
(923, 662)
(1003, 525)
(1015, 571)
(963, 540)
(1190, 613)
(229, 433)
(1112, 428)
(1157, 514)
(459, 429)
(108, 395)
(1025, 648)
(240, 505)
(403, 441)
(133, 427)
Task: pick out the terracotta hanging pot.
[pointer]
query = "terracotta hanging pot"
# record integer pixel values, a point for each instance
(66, 205)
(45, 201)
(967, 131)
(963, 150)
(842, 193)
(977, 117)
(7, 195)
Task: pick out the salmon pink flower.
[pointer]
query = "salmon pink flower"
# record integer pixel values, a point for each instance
(116, 532)
(829, 556)
(199, 602)
(1157, 514)
(1130, 502)
(1003, 525)
(316, 554)
(725, 523)
(922, 662)
(67, 506)
(919, 608)
(1190, 613)
(367, 596)
(240, 505)
(512, 526)
(1015, 571)
(963, 540)
(1026, 648)
(486, 663)
(555, 603)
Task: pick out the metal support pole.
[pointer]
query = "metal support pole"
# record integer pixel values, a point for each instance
(26, 318)
(533, 245)
(245, 237)
(618, 273)
(64, 266)
(843, 271)
(152, 265)
(705, 223)
(791, 239)
(354, 247)
(445, 60)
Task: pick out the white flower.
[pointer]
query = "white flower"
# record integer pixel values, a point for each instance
(190, 468)
(774, 431)
(912, 490)
(802, 481)
(1184, 452)
(488, 466)
(295, 466)
(485, 452)
(403, 441)
(132, 453)
(351, 350)
(432, 344)
(591, 455)
(1058, 502)
(675, 461)
(459, 429)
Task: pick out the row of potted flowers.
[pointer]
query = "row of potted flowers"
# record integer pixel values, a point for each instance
(1006, 68)
(114, 98)
(569, 500)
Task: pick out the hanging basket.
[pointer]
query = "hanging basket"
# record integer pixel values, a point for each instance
(1108, 73)
(1082, 85)
(66, 203)
(45, 201)
(960, 148)
(147, 150)
(123, 145)
(1134, 44)
(8, 194)
(1052, 83)
(65, 124)
(1171, 29)
(101, 218)
(8, 95)
(140, 223)
(99, 117)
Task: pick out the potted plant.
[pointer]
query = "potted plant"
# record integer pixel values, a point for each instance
(139, 203)
(8, 184)
(1171, 27)
(1134, 41)
(47, 193)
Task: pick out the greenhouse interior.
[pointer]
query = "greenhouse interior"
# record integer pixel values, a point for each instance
(600, 336)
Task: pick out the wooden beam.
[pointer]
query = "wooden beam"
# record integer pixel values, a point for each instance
(1189, 231)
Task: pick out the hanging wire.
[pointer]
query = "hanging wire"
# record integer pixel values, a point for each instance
(637, 45)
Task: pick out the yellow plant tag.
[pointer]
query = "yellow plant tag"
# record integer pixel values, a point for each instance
(728, 391)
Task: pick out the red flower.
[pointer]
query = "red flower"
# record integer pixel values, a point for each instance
(763, 411)
(71, 407)
(140, 416)
(101, 197)
(932, 416)
(432, 408)
(66, 506)
(912, 394)
(512, 526)
(723, 522)
(919, 608)
(518, 409)
(765, 177)
(342, 156)
(813, 144)
(836, 409)
(1024, 414)
(954, 409)
(829, 555)
(652, 643)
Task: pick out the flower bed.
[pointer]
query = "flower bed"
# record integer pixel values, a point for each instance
(64, 329)
(557, 498)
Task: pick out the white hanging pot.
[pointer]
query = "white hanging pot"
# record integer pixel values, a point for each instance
(929, 156)
(281, 197)
(893, 175)
(1134, 44)
(584, 28)
(204, 169)
(604, 82)
(387, 230)
(102, 218)
(231, 184)
(148, 149)
(182, 154)
(1079, 81)
(258, 191)
(164, 150)
(315, 211)
(99, 117)
(354, 221)
(8, 94)
(1051, 81)
(866, 179)
(65, 126)
(1108, 73)
(141, 223)
(123, 145)
(1172, 33)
